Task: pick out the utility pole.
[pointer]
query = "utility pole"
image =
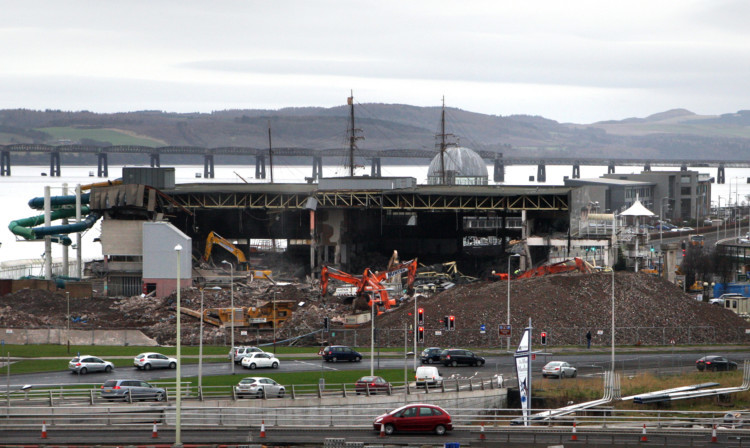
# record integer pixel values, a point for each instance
(270, 152)
(443, 145)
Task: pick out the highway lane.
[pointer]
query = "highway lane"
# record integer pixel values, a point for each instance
(315, 436)
(587, 364)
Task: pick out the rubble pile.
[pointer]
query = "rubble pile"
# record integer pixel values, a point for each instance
(648, 310)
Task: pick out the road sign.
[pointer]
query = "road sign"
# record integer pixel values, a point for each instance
(482, 329)
(438, 333)
(504, 329)
(671, 341)
(600, 332)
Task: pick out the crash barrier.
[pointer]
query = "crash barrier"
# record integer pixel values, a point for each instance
(90, 393)
(556, 336)
(493, 419)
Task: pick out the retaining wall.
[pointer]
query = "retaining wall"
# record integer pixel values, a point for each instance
(59, 336)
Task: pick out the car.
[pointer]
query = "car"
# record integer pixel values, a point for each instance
(372, 385)
(259, 387)
(714, 363)
(87, 363)
(257, 360)
(428, 376)
(415, 417)
(150, 360)
(454, 357)
(430, 355)
(560, 369)
(131, 390)
(240, 352)
(335, 353)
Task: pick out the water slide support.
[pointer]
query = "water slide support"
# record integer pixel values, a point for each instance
(47, 238)
(79, 259)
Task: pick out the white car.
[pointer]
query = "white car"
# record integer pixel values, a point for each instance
(148, 361)
(259, 387)
(559, 369)
(257, 360)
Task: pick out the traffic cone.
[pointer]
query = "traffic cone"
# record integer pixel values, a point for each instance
(382, 430)
(262, 429)
(481, 432)
(574, 436)
(155, 431)
(44, 429)
(714, 439)
(643, 435)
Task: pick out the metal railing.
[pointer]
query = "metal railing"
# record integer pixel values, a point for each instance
(90, 393)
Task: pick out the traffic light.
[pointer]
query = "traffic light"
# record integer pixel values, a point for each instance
(326, 324)
(420, 316)
(451, 323)
(683, 252)
(445, 322)
(420, 334)
(544, 338)
(652, 248)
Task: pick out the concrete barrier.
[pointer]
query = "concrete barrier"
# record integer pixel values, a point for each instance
(38, 336)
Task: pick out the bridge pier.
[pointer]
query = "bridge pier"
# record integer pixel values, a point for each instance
(155, 160)
(5, 163)
(54, 164)
(317, 168)
(647, 167)
(499, 171)
(208, 166)
(576, 170)
(611, 168)
(260, 166)
(541, 172)
(375, 168)
(683, 167)
(721, 175)
(102, 167)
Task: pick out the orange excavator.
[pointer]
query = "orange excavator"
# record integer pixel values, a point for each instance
(370, 283)
(575, 264)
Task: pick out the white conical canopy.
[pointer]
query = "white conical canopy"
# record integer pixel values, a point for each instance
(637, 209)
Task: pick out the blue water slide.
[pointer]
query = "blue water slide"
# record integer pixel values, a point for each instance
(57, 201)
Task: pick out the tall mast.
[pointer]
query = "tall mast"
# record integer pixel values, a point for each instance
(353, 137)
(270, 151)
(443, 145)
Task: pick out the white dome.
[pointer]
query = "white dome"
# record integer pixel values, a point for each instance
(462, 166)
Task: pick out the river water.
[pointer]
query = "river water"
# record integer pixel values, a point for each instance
(27, 182)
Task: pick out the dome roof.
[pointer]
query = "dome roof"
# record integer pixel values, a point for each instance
(460, 162)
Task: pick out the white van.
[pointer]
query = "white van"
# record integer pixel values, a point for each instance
(428, 375)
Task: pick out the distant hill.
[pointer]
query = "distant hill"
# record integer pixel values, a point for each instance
(674, 134)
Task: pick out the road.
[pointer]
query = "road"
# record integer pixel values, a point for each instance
(587, 364)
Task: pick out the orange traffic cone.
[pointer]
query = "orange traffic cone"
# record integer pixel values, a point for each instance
(382, 430)
(262, 429)
(481, 432)
(44, 429)
(643, 435)
(714, 439)
(574, 436)
(155, 431)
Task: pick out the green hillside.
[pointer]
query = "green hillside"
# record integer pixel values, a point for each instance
(113, 136)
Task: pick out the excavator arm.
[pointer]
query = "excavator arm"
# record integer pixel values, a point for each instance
(216, 239)
(328, 272)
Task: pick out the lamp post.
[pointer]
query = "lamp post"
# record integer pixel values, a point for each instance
(661, 224)
(67, 296)
(372, 336)
(613, 318)
(231, 295)
(178, 379)
(274, 321)
(200, 350)
(509, 257)
(415, 331)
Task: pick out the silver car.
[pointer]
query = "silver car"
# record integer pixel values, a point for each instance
(560, 369)
(148, 361)
(240, 352)
(131, 390)
(86, 363)
(259, 387)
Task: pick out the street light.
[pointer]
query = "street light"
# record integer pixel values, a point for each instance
(231, 295)
(274, 321)
(509, 257)
(613, 318)
(661, 224)
(67, 296)
(178, 379)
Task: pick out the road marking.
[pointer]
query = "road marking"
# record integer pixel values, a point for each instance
(314, 364)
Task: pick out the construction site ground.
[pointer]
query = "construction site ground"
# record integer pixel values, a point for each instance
(647, 309)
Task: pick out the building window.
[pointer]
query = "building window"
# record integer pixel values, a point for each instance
(685, 191)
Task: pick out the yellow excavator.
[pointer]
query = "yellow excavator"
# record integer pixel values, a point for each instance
(215, 238)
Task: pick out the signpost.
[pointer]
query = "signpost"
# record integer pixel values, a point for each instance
(482, 329)
(504, 330)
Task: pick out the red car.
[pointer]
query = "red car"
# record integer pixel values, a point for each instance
(374, 384)
(415, 417)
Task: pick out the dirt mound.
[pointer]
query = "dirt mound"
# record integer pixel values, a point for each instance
(648, 310)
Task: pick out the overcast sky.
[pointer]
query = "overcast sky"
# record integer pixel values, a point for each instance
(571, 61)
